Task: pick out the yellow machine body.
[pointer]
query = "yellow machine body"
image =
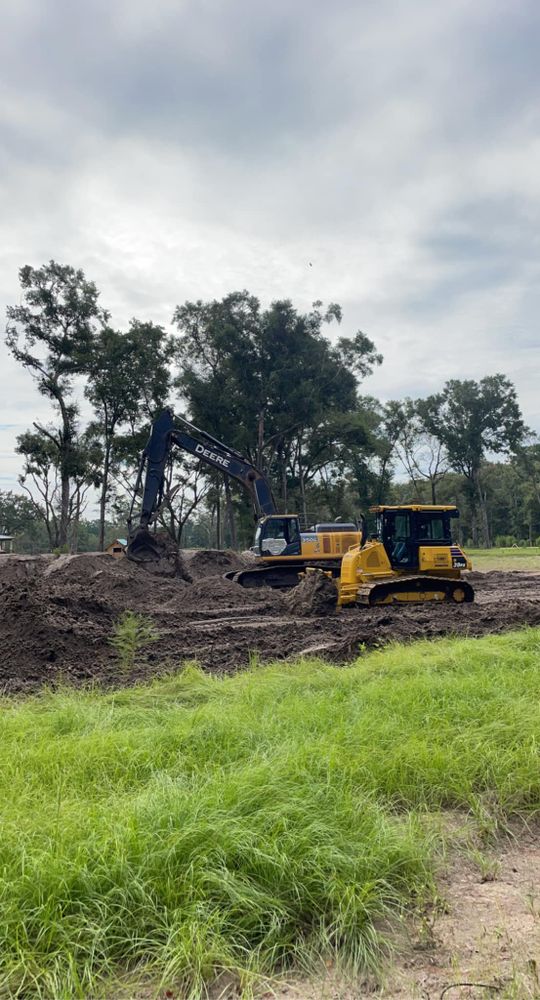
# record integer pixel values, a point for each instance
(283, 551)
(371, 575)
(316, 545)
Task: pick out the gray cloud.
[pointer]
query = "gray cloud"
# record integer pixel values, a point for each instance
(184, 149)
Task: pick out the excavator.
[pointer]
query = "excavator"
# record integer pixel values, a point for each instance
(410, 558)
(282, 550)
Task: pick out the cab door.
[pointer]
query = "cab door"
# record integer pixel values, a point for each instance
(279, 536)
(398, 540)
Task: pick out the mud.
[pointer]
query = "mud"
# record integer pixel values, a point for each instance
(57, 617)
(315, 595)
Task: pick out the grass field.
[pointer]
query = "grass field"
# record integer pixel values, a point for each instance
(505, 559)
(253, 821)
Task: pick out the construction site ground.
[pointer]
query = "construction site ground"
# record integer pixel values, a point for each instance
(58, 614)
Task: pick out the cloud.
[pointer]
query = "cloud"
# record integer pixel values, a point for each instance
(181, 150)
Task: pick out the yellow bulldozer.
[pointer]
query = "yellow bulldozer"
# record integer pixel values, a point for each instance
(410, 558)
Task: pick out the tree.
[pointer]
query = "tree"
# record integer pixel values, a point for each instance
(185, 489)
(421, 453)
(271, 384)
(471, 420)
(41, 452)
(51, 334)
(16, 513)
(128, 379)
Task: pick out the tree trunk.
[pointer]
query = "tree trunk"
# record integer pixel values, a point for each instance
(103, 497)
(482, 508)
(65, 448)
(229, 513)
(284, 492)
(64, 510)
(433, 491)
(260, 439)
(301, 480)
(218, 520)
(74, 540)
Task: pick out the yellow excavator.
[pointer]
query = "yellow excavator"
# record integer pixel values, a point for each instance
(410, 558)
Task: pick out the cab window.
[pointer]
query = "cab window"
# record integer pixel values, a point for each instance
(430, 528)
(280, 536)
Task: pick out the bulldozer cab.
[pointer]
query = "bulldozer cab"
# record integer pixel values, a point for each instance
(403, 530)
(278, 535)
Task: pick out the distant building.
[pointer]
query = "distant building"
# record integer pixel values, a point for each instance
(6, 544)
(117, 548)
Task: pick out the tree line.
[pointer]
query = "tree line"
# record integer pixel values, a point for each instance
(281, 386)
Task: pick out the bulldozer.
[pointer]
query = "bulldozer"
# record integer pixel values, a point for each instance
(283, 550)
(410, 558)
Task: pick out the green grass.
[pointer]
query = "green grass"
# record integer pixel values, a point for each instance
(506, 559)
(250, 822)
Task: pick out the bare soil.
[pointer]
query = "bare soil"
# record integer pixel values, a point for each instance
(57, 617)
(482, 941)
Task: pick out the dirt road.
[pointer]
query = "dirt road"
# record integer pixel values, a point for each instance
(57, 616)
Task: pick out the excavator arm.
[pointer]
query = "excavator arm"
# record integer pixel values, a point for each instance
(163, 437)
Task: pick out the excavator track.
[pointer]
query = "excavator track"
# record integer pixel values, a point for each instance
(415, 589)
(277, 577)
(280, 577)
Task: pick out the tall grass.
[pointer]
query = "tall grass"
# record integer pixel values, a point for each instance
(201, 824)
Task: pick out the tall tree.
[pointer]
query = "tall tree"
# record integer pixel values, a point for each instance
(472, 420)
(128, 380)
(422, 455)
(41, 451)
(270, 382)
(50, 333)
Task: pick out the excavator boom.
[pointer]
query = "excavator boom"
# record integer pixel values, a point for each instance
(163, 437)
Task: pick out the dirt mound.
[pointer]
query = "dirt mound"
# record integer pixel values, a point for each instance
(215, 591)
(19, 568)
(213, 562)
(57, 618)
(316, 594)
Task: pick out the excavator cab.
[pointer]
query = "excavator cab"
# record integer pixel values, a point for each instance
(278, 535)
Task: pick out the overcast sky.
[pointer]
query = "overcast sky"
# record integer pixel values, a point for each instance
(179, 149)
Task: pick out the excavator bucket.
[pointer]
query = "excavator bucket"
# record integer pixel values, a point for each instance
(143, 547)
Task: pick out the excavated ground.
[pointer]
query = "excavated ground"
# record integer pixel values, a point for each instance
(57, 616)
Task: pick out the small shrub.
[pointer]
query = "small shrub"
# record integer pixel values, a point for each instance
(61, 550)
(130, 634)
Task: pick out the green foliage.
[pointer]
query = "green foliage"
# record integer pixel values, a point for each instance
(128, 379)
(50, 333)
(131, 634)
(472, 419)
(249, 822)
(270, 383)
(16, 512)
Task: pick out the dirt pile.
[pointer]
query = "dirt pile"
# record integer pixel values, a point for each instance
(209, 562)
(165, 558)
(57, 617)
(316, 594)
